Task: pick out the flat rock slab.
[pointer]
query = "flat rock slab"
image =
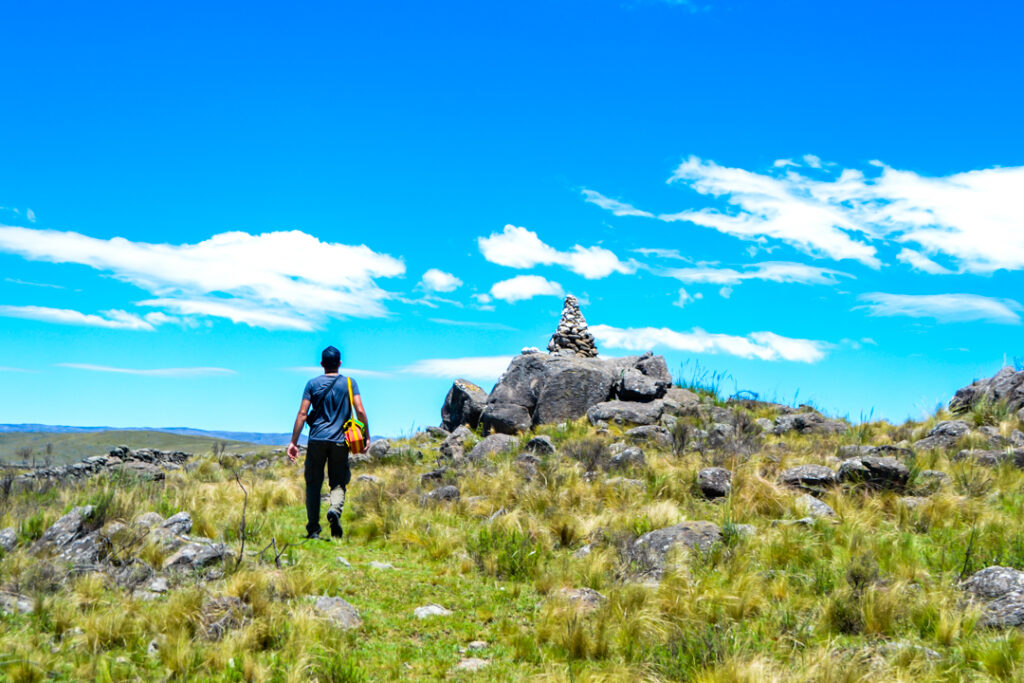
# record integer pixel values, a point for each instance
(472, 664)
(381, 565)
(626, 412)
(12, 603)
(991, 582)
(495, 443)
(879, 473)
(431, 610)
(814, 507)
(339, 612)
(812, 478)
(943, 435)
(196, 555)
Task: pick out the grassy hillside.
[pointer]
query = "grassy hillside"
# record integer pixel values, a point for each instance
(869, 595)
(71, 447)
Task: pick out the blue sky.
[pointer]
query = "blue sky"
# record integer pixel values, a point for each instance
(819, 199)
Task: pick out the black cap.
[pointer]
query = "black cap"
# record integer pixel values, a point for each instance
(330, 358)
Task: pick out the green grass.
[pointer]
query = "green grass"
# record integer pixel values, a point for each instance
(72, 447)
(846, 599)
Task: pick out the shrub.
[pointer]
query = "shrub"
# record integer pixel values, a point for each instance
(592, 453)
(510, 554)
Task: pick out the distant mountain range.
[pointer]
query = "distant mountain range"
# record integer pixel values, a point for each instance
(261, 438)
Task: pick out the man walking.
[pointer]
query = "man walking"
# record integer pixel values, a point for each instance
(328, 395)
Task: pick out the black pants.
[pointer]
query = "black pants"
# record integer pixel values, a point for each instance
(335, 456)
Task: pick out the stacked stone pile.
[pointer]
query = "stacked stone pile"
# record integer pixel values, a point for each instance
(572, 335)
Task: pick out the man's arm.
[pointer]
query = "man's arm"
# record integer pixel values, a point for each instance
(300, 422)
(357, 403)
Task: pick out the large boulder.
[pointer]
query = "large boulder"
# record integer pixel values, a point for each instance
(1002, 591)
(505, 418)
(649, 553)
(463, 405)
(812, 478)
(570, 387)
(495, 443)
(626, 412)
(1006, 385)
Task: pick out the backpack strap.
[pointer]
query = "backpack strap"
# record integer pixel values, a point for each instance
(351, 401)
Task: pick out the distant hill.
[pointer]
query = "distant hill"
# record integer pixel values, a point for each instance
(76, 443)
(263, 438)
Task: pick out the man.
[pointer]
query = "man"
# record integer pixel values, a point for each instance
(328, 394)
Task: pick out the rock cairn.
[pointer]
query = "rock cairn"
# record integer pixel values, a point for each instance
(572, 334)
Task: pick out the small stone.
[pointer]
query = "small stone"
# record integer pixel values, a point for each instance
(541, 444)
(381, 565)
(338, 611)
(154, 648)
(431, 610)
(180, 523)
(814, 507)
(159, 585)
(370, 479)
(8, 539)
(472, 664)
(714, 482)
(379, 448)
(12, 603)
(477, 645)
(586, 599)
(343, 562)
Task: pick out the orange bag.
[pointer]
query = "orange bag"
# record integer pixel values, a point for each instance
(355, 431)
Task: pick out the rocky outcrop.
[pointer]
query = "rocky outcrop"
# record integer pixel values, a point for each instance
(1007, 386)
(811, 478)
(463, 405)
(454, 445)
(505, 418)
(572, 335)
(142, 464)
(626, 412)
(811, 422)
(1001, 589)
(714, 482)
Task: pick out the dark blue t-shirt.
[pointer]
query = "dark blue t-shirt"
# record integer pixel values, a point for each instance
(329, 411)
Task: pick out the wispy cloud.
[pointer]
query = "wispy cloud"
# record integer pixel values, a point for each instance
(148, 372)
(113, 319)
(355, 372)
(521, 248)
(482, 325)
(474, 367)
(972, 218)
(615, 206)
(760, 345)
(661, 253)
(277, 280)
(4, 368)
(32, 284)
(943, 307)
(771, 271)
(524, 287)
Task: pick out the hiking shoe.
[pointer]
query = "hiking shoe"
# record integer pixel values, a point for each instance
(334, 518)
(313, 536)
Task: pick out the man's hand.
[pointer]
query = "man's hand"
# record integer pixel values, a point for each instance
(293, 451)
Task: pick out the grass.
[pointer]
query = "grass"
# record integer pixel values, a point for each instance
(853, 598)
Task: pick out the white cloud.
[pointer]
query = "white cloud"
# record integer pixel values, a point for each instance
(919, 261)
(521, 248)
(778, 208)
(662, 253)
(151, 372)
(289, 278)
(113, 319)
(684, 298)
(435, 280)
(474, 323)
(30, 215)
(483, 298)
(16, 281)
(760, 345)
(524, 287)
(725, 292)
(943, 307)
(615, 206)
(477, 367)
(772, 271)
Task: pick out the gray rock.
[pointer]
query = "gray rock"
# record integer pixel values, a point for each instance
(219, 615)
(472, 664)
(381, 565)
(623, 481)
(63, 532)
(626, 457)
(13, 603)
(431, 610)
(584, 599)
(847, 452)
(180, 523)
(1020, 416)
(992, 458)
(8, 539)
(808, 423)
(1006, 385)
(338, 612)
(992, 435)
(720, 435)
(541, 444)
(656, 433)
(569, 387)
(682, 401)
(505, 418)
(656, 368)
(812, 478)
(477, 645)
(879, 473)
(1004, 612)
(993, 582)
(814, 507)
(943, 435)
(379, 448)
(142, 470)
(149, 520)
(626, 412)
(932, 479)
(650, 551)
(1017, 438)
(437, 432)
(196, 555)
(714, 482)
(765, 424)
(370, 479)
(912, 502)
(454, 445)
(495, 443)
(463, 405)
(442, 493)
(634, 385)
